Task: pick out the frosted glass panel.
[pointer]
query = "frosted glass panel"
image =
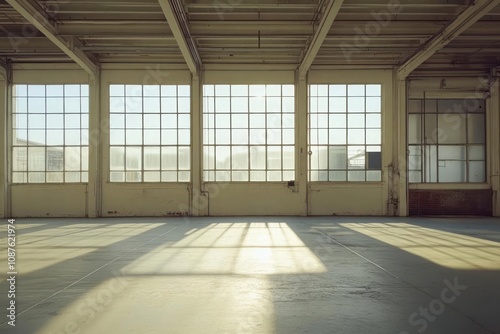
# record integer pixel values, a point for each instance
(452, 129)
(415, 176)
(414, 129)
(222, 157)
(257, 157)
(452, 152)
(430, 165)
(169, 158)
(117, 158)
(133, 158)
(477, 171)
(374, 175)
(152, 158)
(476, 152)
(452, 171)
(240, 157)
(337, 176)
(476, 129)
(356, 176)
(337, 157)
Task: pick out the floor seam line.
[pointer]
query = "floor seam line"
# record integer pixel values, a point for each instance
(397, 277)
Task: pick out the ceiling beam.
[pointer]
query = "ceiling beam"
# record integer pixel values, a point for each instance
(37, 17)
(329, 15)
(177, 21)
(468, 17)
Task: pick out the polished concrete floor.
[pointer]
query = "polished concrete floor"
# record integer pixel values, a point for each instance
(255, 275)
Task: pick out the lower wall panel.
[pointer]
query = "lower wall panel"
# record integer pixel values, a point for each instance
(348, 201)
(47, 200)
(122, 200)
(451, 202)
(252, 200)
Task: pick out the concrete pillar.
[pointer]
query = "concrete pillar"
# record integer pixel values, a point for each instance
(301, 147)
(96, 128)
(493, 135)
(398, 175)
(199, 200)
(4, 75)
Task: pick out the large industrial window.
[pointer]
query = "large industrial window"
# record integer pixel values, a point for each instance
(446, 140)
(248, 133)
(50, 133)
(345, 133)
(149, 133)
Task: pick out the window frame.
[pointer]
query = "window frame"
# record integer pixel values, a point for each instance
(329, 113)
(286, 146)
(163, 111)
(52, 91)
(423, 146)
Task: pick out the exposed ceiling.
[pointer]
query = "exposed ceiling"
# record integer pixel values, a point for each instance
(364, 32)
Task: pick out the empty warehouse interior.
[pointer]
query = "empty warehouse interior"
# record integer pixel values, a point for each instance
(262, 166)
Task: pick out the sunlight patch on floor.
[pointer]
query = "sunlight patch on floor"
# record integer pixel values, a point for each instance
(238, 248)
(177, 304)
(49, 247)
(451, 250)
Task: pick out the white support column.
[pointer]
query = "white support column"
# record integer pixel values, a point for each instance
(97, 128)
(301, 147)
(199, 202)
(401, 149)
(493, 135)
(4, 75)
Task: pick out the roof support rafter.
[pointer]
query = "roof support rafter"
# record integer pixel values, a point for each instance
(177, 21)
(329, 15)
(3, 63)
(37, 18)
(468, 17)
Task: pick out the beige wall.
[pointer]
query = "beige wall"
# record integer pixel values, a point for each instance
(161, 199)
(49, 200)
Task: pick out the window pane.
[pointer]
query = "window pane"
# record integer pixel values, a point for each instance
(374, 175)
(356, 104)
(169, 158)
(71, 158)
(447, 152)
(414, 129)
(476, 152)
(373, 104)
(152, 158)
(337, 157)
(117, 158)
(452, 129)
(452, 171)
(239, 157)
(477, 171)
(133, 158)
(431, 163)
(476, 129)
(415, 106)
(339, 176)
(356, 176)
